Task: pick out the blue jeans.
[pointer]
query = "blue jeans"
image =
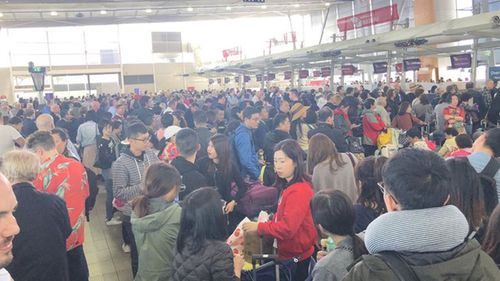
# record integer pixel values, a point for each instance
(108, 182)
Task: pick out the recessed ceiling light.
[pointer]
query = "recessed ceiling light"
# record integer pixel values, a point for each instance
(189, 9)
(263, 7)
(149, 11)
(296, 5)
(228, 8)
(103, 12)
(327, 4)
(53, 13)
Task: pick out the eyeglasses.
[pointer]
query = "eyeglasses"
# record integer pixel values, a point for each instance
(142, 140)
(381, 186)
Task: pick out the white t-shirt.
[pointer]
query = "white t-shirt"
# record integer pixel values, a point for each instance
(8, 135)
(4, 275)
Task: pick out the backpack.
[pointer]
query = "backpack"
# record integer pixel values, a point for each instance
(489, 185)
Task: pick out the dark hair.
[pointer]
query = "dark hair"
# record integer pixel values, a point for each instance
(160, 179)
(187, 141)
(418, 179)
(91, 116)
(322, 148)
(492, 140)
(167, 120)
(116, 124)
(40, 139)
(333, 210)
(414, 133)
(491, 242)
(311, 117)
(469, 85)
(369, 173)
(144, 100)
(463, 141)
(324, 114)
(292, 150)
(200, 117)
(280, 119)
(424, 100)
(224, 154)
(202, 219)
(369, 103)
(136, 128)
(63, 135)
(403, 108)
(15, 120)
(451, 132)
(103, 123)
(466, 192)
(248, 112)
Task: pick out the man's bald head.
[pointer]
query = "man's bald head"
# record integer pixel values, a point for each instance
(45, 122)
(8, 223)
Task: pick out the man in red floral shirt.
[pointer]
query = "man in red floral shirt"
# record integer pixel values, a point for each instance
(66, 178)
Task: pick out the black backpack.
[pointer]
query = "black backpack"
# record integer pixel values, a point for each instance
(489, 185)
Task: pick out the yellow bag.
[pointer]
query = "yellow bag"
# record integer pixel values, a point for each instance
(384, 139)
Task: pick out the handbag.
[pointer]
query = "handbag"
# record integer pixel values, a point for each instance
(355, 145)
(257, 198)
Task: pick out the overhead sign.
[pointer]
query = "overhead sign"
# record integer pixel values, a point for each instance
(288, 75)
(461, 61)
(303, 74)
(316, 73)
(258, 77)
(412, 64)
(246, 78)
(326, 71)
(494, 73)
(227, 80)
(271, 76)
(254, 1)
(379, 67)
(372, 17)
(231, 52)
(399, 67)
(348, 70)
(237, 79)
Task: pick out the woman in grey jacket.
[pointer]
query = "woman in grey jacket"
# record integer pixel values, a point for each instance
(201, 252)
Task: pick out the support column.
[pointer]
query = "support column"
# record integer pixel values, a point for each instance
(332, 80)
(473, 73)
(292, 78)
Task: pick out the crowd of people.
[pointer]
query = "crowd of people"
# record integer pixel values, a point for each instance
(176, 167)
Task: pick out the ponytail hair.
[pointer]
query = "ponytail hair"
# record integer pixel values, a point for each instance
(333, 210)
(160, 179)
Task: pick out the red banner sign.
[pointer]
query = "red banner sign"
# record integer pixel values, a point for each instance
(230, 52)
(399, 67)
(377, 16)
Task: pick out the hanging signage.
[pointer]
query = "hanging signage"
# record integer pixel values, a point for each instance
(379, 67)
(316, 73)
(461, 61)
(372, 17)
(246, 78)
(227, 80)
(258, 77)
(288, 75)
(412, 64)
(237, 79)
(399, 67)
(348, 70)
(494, 73)
(303, 74)
(219, 81)
(271, 76)
(326, 71)
(210, 81)
(231, 52)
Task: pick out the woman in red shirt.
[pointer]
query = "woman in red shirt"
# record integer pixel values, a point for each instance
(292, 225)
(454, 115)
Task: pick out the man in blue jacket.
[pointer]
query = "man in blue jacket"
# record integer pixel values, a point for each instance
(245, 146)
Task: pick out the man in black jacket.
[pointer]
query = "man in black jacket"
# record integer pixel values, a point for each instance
(188, 144)
(281, 123)
(325, 126)
(204, 134)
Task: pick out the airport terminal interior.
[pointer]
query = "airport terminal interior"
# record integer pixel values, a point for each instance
(152, 105)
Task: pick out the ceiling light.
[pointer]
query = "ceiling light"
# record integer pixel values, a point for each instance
(1, 15)
(149, 11)
(53, 13)
(296, 5)
(263, 7)
(189, 9)
(228, 8)
(327, 4)
(103, 12)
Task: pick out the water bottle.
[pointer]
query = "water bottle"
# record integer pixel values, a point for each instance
(330, 244)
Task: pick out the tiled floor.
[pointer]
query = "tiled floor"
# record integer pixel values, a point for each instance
(105, 258)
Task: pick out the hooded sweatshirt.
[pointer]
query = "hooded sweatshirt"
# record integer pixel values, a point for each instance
(155, 236)
(128, 172)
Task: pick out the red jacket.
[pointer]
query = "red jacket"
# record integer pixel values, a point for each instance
(372, 126)
(292, 225)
